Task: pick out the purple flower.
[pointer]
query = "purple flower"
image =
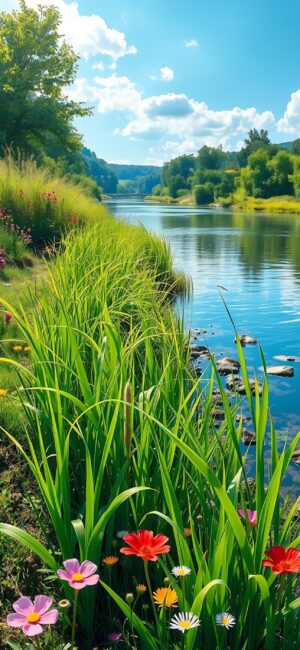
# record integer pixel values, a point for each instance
(30, 616)
(114, 636)
(2, 263)
(79, 575)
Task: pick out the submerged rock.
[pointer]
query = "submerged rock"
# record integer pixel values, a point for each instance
(296, 456)
(281, 371)
(238, 385)
(199, 351)
(228, 366)
(245, 339)
(282, 357)
(217, 414)
(248, 437)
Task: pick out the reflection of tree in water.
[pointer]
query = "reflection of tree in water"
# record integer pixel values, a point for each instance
(257, 238)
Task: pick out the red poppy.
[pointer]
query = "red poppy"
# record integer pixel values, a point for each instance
(283, 561)
(145, 545)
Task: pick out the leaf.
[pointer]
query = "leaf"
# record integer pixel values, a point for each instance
(30, 542)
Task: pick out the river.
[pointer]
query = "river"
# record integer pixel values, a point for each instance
(256, 258)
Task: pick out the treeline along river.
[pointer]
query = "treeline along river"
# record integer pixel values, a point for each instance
(256, 258)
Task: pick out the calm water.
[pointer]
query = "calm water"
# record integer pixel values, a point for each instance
(257, 259)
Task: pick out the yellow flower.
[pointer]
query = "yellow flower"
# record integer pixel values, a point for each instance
(17, 348)
(187, 532)
(3, 392)
(27, 348)
(165, 596)
(110, 560)
(141, 589)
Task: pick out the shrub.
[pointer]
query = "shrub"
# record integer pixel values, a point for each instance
(204, 194)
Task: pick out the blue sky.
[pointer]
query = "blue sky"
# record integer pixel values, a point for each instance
(166, 77)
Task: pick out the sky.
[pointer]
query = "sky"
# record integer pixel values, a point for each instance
(166, 77)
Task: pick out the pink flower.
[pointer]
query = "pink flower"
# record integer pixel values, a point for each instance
(79, 575)
(31, 616)
(8, 317)
(2, 263)
(249, 515)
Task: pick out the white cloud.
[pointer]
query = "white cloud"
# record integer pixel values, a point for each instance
(191, 42)
(88, 34)
(98, 66)
(166, 74)
(112, 93)
(290, 122)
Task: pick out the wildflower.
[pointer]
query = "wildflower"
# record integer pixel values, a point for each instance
(283, 561)
(145, 545)
(114, 636)
(129, 598)
(2, 262)
(30, 616)
(184, 621)
(141, 589)
(165, 596)
(180, 571)
(17, 348)
(3, 392)
(8, 317)
(187, 532)
(110, 560)
(27, 348)
(79, 575)
(225, 620)
(249, 515)
(166, 581)
(64, 604)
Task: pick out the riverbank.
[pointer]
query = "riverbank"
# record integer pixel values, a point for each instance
(279, 205)
(120, 434)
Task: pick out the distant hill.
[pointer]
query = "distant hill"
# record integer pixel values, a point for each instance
(131, 172)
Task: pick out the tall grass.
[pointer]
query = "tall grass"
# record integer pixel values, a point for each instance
(39, 199)
(121, 436)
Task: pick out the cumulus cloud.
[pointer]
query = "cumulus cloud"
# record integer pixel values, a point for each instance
(290, 122)
(88, 34)
(167, 74)
(114, 93)
(191, 42)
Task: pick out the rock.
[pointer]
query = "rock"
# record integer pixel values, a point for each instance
(236, 384)
(217, 414)
(227, 366)
(248, 437)
(296, 456)
(282, 357)
(245, 339)
(248, 486)
(199, 351)
(281, 371)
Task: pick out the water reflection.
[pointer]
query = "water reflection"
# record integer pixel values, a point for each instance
(257, 259)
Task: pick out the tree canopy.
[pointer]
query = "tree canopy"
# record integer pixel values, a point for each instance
(36, 65)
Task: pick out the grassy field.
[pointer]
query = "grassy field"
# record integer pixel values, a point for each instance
(112, 431)
(275, 205)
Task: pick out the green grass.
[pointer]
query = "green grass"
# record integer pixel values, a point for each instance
(275, 205)
(105, 457)
(46, 203)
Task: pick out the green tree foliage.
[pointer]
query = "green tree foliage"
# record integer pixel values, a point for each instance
(268, 175)
(204, 194)
(211, 158)
(100, 171)
(295, 148)
(255, 140)
(281, 167)
(182, 168)
(35, 67)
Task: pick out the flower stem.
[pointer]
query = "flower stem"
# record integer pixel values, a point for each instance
(38, 645)
(151, 596)
(74, 617)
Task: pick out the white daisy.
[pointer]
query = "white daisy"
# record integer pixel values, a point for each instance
(184, 621)
(225, 620)
(181, 570)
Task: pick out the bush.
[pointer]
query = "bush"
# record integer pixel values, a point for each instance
(204, 194)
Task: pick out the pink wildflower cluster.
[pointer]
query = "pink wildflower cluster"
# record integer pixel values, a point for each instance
(7, 223)
(49, 196)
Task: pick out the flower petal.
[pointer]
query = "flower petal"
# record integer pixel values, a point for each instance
(16, 620)
(49, 618)
(64, 575)
(23, 606)
(72, 566)
(91, 580)
(77, 585)
(87, 568)
(32, 629)
(42, 604)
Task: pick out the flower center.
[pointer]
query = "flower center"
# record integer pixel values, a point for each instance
(77, 577)
(145, 550)
(185, 625)
(181, 572)
(225, 620)
(33, 618)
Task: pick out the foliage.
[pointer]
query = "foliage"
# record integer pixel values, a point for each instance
(100, 171)
(35, 68)
(255, 140)
(43, 201)
(179, 170)
(211, 158)
(204, 193)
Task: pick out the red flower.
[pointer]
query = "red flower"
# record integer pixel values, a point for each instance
(283, 561)
(145, 545)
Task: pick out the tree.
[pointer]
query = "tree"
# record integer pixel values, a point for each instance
(254, 141)
(204, 194)
(176, 183)
(256, 177)
(100, 171)
(181, 166)
(281, 167)
(36, 65)
(211, 158)
(296, 147)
